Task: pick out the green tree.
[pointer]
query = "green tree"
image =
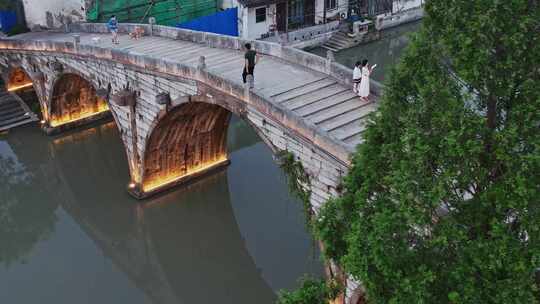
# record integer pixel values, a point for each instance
(442, 204)
(311, 291)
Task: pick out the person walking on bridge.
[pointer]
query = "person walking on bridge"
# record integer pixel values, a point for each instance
(251, 59)
(113, 28)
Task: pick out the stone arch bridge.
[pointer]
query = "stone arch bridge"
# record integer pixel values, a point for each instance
(172, 93)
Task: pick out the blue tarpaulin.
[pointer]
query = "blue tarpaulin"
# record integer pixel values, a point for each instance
(224, 22)
(8, 19)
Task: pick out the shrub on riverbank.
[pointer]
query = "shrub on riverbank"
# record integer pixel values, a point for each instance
(311, 291)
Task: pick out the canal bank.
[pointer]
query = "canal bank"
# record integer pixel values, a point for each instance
(71, 231)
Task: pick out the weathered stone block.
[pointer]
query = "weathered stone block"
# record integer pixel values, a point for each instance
(57, 66)
(163, 98)
(124, 98)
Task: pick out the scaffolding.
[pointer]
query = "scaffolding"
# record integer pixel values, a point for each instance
(166, 12)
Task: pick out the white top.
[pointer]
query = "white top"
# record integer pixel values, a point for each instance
(357, 73)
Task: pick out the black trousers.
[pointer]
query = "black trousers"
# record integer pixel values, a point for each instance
(248, 71)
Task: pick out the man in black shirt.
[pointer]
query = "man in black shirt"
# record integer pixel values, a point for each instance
(251, 59)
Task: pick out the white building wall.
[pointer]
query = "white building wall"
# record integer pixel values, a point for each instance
(403, 5)
(248, 28)
(341, 8)
(242, 21)
(53, 13)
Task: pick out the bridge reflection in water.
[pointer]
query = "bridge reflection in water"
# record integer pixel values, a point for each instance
(182, 247)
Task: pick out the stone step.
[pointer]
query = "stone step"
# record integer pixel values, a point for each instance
(336, 47)
(326, 103)
(305, 89)
(334, 96)
(289, 86)
(355, 140)
(11, 112)
(337, 43)
(340, 38)
(347, 117)
(314, 96)
(16, 121)
(333, 49)
(351, 129)
(9, 104)
(337, 110)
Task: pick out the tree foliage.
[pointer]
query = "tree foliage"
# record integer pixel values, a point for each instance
(311, 291)
(298, 180)
(442, 204)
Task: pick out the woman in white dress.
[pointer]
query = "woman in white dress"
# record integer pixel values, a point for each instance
(363, 92)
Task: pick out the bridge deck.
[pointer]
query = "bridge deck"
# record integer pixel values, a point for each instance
(310, 94)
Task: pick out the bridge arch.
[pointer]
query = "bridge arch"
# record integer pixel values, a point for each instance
(190, 138)
(74, 99)
(17, 78)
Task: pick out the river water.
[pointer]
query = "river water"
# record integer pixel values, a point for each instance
(69, 232)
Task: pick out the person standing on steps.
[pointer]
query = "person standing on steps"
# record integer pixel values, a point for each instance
(113, 28)
(363, 92)
(251, 58)
(357, 76)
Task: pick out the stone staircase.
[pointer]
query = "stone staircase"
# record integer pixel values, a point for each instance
(339, 41)
(343, 39)
(14, 112)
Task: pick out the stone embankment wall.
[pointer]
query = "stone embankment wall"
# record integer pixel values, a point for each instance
(383, 22)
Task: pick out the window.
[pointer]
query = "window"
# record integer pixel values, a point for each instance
(331, 4)
(296, 13)
(260, 14)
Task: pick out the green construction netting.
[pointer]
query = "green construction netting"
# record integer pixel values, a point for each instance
(166, 12)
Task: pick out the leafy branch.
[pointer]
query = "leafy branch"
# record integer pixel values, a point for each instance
(298, 180)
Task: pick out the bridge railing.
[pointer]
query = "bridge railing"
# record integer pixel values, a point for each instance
(338, 71)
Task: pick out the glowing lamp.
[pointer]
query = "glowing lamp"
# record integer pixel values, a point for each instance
(18, 87)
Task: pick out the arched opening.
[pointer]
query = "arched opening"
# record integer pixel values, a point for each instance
(190, 140)
(74, 99)
(18, 99)
(18, 80)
